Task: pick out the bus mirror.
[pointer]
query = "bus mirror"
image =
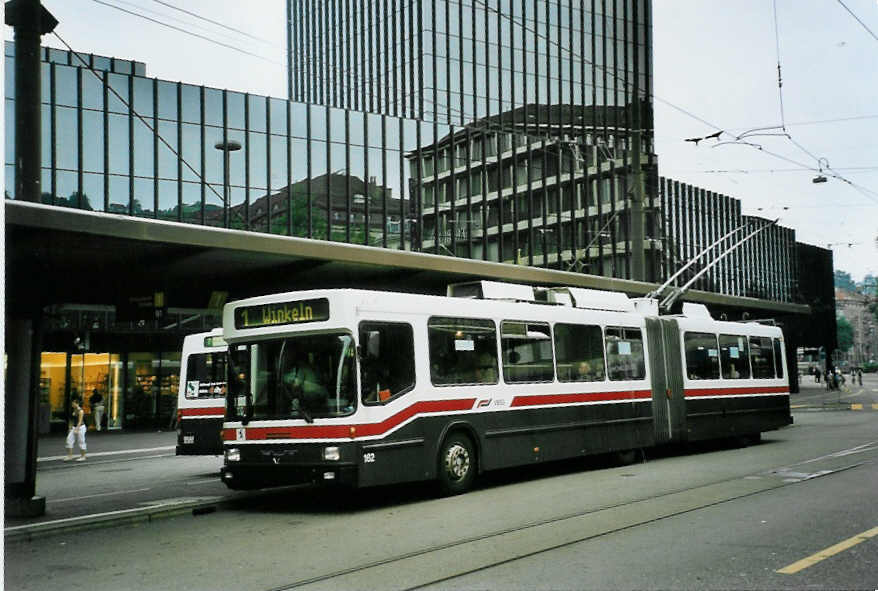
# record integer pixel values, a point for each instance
(373, 344)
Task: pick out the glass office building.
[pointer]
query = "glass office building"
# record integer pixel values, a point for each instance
(692, 218)
(535, 118)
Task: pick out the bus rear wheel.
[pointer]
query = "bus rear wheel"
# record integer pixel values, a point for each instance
(457, 464)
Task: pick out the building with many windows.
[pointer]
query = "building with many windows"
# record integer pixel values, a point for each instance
(507, 132)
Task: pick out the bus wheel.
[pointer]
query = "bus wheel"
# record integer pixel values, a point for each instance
(457, 464)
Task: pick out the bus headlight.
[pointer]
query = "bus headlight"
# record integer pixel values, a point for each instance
(233, 454)
(331, 453)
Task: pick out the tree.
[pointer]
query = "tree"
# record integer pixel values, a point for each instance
(845, 333)
(844, 280)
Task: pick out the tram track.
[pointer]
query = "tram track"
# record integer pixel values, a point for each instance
(443, 562)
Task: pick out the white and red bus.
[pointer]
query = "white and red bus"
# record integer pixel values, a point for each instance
(201, 401)
(373, 387)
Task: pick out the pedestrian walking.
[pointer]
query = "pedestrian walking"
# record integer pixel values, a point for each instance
(817, 375)
(77, 432)
(96, 400)
(860, 375)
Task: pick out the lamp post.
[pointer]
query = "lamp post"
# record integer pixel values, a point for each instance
(227, 147)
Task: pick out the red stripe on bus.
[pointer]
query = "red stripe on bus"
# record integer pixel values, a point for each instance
(693, 392)
(197, 412)
(344, 431)
(536, 400)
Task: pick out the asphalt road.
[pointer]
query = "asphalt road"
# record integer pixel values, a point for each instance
(718, 518)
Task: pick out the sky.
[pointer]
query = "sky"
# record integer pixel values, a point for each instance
(716, 68)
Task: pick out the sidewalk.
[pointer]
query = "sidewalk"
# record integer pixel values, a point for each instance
(128, 477)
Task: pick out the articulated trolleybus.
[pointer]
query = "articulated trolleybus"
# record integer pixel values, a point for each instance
(201, 402)
(367, 387)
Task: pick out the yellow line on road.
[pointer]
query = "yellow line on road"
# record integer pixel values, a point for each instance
(874, 406)
(856, 406)
(831, 551)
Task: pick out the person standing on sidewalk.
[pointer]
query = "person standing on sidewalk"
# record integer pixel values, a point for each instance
(77, 432)
(96, 400)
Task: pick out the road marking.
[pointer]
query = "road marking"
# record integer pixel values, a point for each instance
(205, 481)
(840, 454)
(826, 553)
(112, 453)
(874, 406)
(115, 492)
(856, 406)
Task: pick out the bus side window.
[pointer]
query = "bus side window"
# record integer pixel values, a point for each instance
(702, 356)
(579, 353)
(778, 357)
(206, 375)
(527, 351)
(625, 359)
(387, 360)
(762, 357)
(462, 351)
(734, 357)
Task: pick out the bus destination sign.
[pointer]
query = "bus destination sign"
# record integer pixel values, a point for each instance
(274, 314)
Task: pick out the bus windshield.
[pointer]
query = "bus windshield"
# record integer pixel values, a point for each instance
(305, 377)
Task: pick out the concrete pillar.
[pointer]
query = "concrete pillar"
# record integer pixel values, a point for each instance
(22, 400)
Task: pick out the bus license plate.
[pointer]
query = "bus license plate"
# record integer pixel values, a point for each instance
(188, 439)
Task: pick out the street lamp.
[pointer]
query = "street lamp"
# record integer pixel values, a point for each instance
(227, 147)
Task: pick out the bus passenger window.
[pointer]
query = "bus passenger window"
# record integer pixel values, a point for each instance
(527, 352)
(734, 357)
(206, 375)
(579, 353)
(625, 354)
(702, 356)
(387, 360)
(778, 357)
(762, 357)
(462, 351)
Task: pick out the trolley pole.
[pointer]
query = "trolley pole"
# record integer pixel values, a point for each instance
(30, 21)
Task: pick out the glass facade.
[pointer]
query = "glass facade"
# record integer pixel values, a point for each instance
(303, 170)
(693, 218)
(532, 118)
(540, 161)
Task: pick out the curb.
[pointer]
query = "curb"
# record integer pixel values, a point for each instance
(32, 531)
(825, 407)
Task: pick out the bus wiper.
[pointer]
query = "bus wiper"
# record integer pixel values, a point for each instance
(297, 406)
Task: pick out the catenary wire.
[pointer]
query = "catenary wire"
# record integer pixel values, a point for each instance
(181, 30)
(177, 19)
(217, 23)
(859, 20)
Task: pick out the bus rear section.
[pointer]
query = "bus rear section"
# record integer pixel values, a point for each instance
(202, 396)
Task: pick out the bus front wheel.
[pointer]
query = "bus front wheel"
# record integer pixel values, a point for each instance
(457, 464)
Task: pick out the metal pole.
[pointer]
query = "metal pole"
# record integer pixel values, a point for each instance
(23, 328)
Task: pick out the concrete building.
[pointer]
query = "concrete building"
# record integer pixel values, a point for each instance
(855, 308)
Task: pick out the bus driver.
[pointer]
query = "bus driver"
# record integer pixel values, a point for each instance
(303, 383)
